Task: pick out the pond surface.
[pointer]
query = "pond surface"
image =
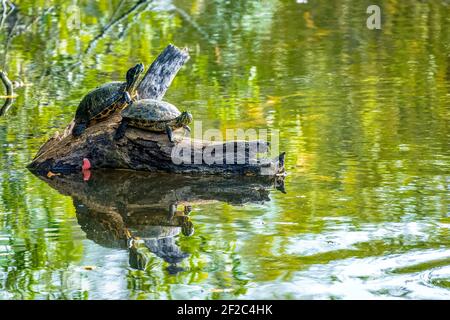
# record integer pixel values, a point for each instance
(362, 114)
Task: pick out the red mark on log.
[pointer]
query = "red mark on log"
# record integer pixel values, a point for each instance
(85, 169)
(86, 164)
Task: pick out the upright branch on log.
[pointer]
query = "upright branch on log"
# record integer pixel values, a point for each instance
(161, 73)
(144, 150)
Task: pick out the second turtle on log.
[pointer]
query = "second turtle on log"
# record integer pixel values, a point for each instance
(103, 101)
(153, 115)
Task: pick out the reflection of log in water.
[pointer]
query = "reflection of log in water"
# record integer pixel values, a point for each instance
(114, 204)
(130, 191)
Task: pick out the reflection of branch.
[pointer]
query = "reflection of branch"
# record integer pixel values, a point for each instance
(93, 43)
(36, 19)
(15, 30)
(27, 27)
(7, 83)
(9, 92)
(5, 11)
(8, 42)
(4, 109)
(119, 6)
(134, 19)
(195, 25)
(111, 24)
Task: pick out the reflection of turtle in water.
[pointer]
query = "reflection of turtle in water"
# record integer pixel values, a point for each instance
(141, 219)
(146, 231)
(154, 115)
(165, 248)
(187, 228)
(158, 238)
(105, 100)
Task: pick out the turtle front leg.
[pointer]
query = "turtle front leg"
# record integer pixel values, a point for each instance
(120, 132)
(79, 128)
(169, 133)
(187, 129)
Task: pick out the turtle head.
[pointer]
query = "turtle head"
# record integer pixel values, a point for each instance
(184, 118)
(133, 74)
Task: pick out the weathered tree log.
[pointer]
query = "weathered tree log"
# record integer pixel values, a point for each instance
(143, 150)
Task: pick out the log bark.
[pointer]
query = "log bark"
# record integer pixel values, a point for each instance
(148, 151)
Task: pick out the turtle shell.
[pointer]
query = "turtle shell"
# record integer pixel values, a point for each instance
(151, 110)
(96, 101)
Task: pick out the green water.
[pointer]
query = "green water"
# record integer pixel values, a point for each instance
(363, 116)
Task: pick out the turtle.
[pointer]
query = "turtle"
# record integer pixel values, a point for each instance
(99, 103)
(153, 115)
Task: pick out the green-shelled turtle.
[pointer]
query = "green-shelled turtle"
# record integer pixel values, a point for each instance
(154, 115)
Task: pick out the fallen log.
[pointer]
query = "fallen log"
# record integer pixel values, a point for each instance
(148, 151)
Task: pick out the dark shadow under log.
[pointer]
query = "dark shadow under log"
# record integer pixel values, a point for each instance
(116, 206)
(148, 151)
(136, 199)
(116, 190)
